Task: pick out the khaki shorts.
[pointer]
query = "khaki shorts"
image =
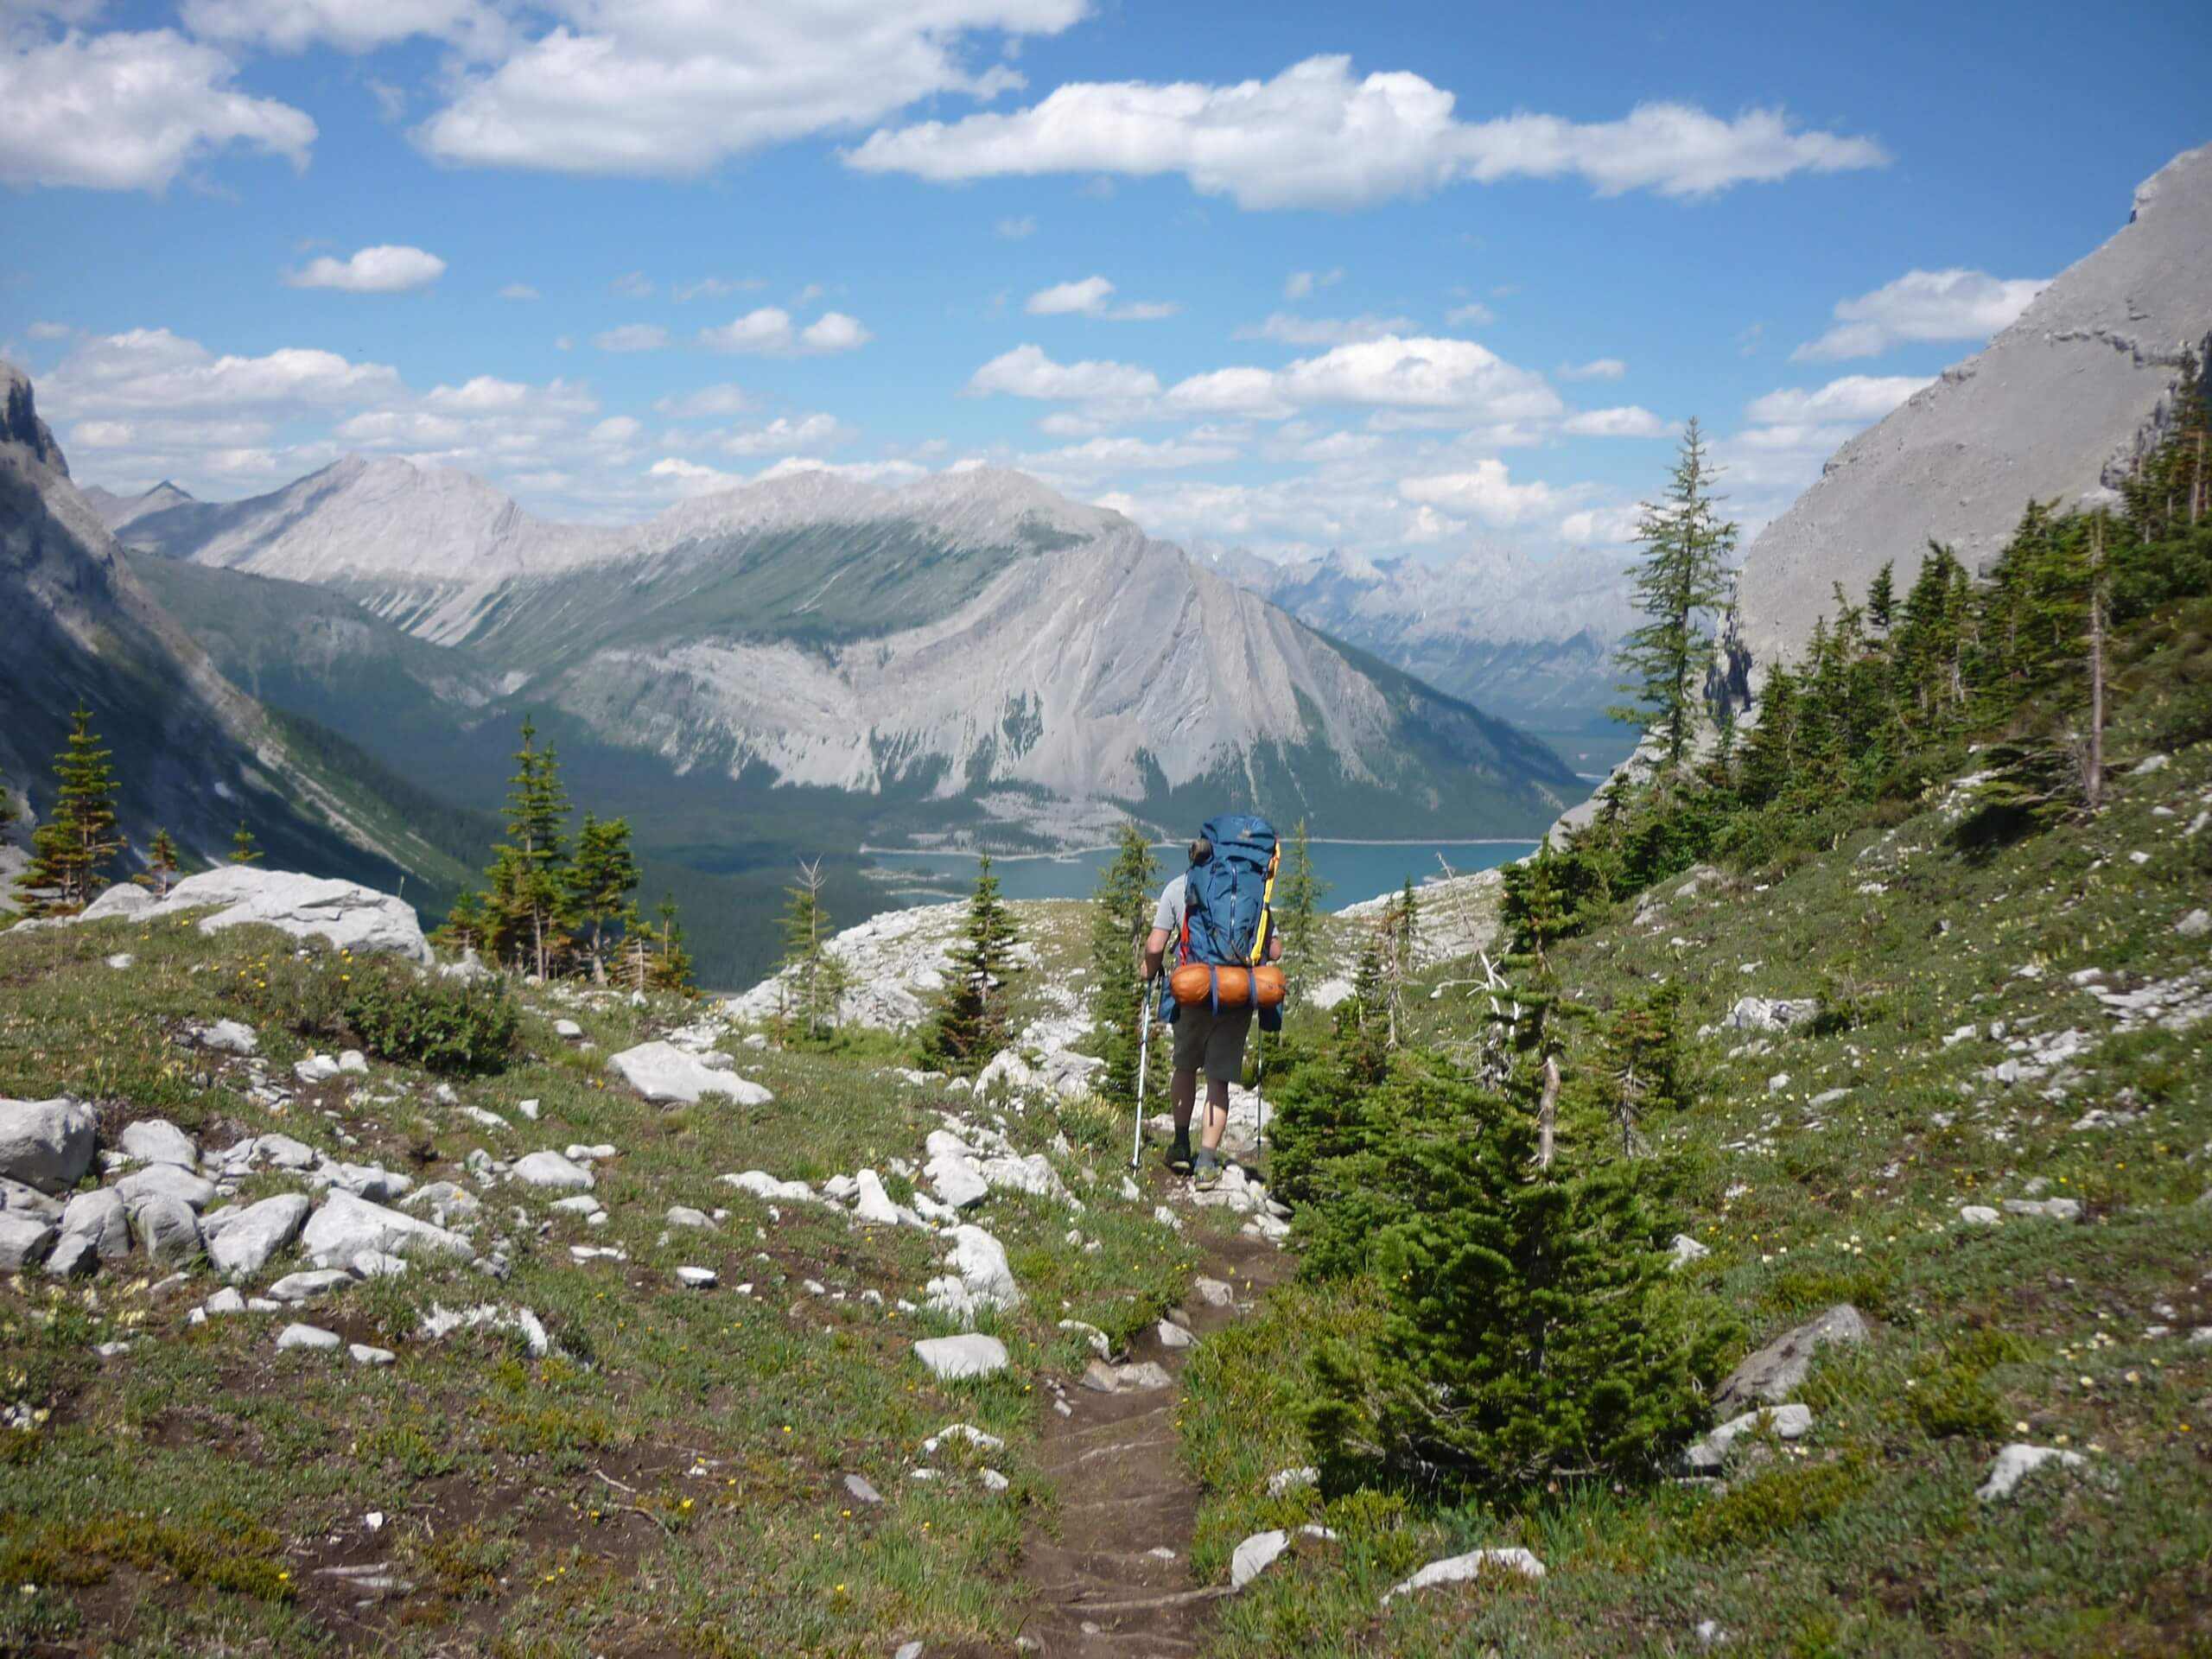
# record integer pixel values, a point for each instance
(1213, 1043)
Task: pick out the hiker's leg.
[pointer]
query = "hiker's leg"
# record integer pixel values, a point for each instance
(1185, 1092)
(1217, 1113)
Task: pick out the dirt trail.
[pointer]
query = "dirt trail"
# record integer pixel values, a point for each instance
(1099, 1590)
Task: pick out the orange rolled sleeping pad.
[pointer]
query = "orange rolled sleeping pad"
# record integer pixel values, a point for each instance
(1194, 981)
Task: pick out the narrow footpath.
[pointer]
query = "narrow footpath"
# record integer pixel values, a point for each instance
(1115, 1582)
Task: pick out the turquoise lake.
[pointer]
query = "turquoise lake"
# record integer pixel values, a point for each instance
(1352, 870)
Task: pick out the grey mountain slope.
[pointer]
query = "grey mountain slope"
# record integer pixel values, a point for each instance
(967, 635)
(2057, 405)
(193, 754)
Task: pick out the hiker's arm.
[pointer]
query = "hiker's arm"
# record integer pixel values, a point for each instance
(1156, 947)
(1274, 945)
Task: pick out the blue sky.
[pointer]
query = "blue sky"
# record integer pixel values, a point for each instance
(610, 253)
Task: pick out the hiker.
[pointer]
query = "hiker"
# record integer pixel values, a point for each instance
(1217, 914)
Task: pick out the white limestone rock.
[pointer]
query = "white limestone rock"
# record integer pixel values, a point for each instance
(46, 1144)
(667, 1075)
(953, 1359)
(345, 1226)
(347, 915)
(247, 1239)
(157, 1140)
(2015, 1463)
(101, 1218)
(1791, 1422)
(1459, 1569)
(24, 1241)
(550, 1169)
(312, 1338)
(168, 1231)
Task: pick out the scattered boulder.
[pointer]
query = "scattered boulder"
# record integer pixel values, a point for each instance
(1173, 1335)
(667, 1075)
(1459, 1569)
(168, 1231)
(345, 1226)
(1214, 1292)
(1979, 1215)
(24, 1241)
(72, 1256)
(311, 1286)
(1771, 1014)
(952, 1358)
(680, 1215)
(166, 1181)
(2057, 1209)
(441, 1321)
(569, 1029)
(551, 1169)
(311, 1337)
(765, 1187)
(1776, 1371)
(230, 1037)
(2195, 925)
(1788, 1423)
(1687, 1249)
(100, 1217)
(860, 1491)
(362, 1354)
(1259, 1552)
(2015, 1463)
(1102, 1378)
(157, 1140)
(28, 1200)
(981, 1277)
(698, 1278)
(46, 1144)
(1284, 1482)
(249, 1237)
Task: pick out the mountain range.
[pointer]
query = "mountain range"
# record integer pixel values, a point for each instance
(1529, 639)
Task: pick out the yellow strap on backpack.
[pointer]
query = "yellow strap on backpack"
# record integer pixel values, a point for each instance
(1267, 905)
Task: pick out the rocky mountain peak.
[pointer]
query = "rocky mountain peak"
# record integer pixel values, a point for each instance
(19, 421)
(2060, 403)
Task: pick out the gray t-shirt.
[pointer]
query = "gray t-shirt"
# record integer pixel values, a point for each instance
(1168, 916)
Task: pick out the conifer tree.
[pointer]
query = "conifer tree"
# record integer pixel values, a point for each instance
(639, 953)
(970, 1024)
(599, 884)
(1642, 1071)
(160, 870)
(464, 927)
(1299, 894)
(244, 849)
(1120, 917)
(1531, 1331)
(529, 902)
(672, 965)
(1882, 596)
(814, 981)
(70, 849)
(7, 802)
(1681, 580)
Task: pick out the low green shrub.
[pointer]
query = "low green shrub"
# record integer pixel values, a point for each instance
(1787, 1498)
(437, 1024)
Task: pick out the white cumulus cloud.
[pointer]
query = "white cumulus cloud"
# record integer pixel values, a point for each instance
(349, 25)
(769, 332)
(1597, 368)
(153, 371)
(1299, 284)
(1089, 298)
(518, 291)
(723, 399)
(1484, 491)
(785, 436)
(129, 111)
(673, 87)
(1027, 371)
(1317, 137)
(383, 269)
(1922, 305)
(1855, 397)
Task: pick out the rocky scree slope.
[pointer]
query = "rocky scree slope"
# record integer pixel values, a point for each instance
(2057, 406)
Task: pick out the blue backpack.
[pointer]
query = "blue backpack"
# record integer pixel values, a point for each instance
(1227, 914)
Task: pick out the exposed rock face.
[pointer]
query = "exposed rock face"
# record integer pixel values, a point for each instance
(2057, 405)
(350, 915)
(19, 421)
(249, 1238)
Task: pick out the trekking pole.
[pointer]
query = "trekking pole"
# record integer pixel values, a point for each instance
(1144, 1069)
(1259, 1100)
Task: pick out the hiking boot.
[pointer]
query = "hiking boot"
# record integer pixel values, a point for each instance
(1179, 1155)
(1208, 1174)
